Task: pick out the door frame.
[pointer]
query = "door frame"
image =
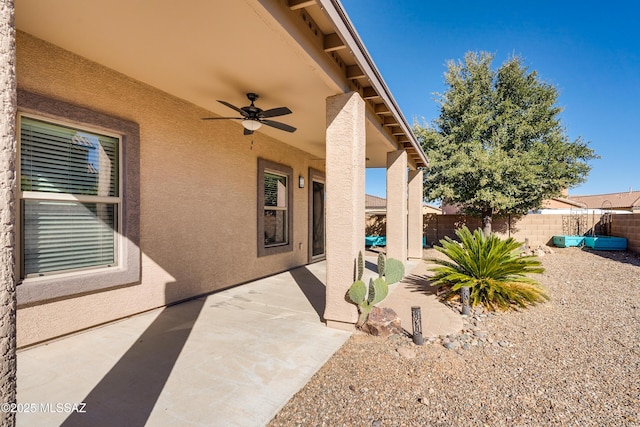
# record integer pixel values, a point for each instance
(315, 176)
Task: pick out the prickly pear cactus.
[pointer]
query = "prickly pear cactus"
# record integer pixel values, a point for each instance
(358, 292)
(365, 297)
(394, 271)
(381, 290)
(372, 293)
(381, 265)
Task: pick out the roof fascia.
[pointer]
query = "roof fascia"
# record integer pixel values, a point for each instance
(335, 12)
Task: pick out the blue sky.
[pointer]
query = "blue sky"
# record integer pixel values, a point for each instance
(590, 51)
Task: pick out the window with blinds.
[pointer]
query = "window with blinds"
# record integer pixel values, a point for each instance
(70, 198)
(275, 209)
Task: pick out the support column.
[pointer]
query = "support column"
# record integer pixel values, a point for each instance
(397, 205)
(345, 167)
(415, 219)
(7, 211)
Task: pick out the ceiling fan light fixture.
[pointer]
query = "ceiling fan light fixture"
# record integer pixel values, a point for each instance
(252, 117)
(251, 124)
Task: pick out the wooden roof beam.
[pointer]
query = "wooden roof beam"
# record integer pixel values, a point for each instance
(389, 121)
(355, 72)
(369, 93)
(382, 109)
(300, 4)
(333, 42)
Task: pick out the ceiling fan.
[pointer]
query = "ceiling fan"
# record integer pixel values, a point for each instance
(253, 117)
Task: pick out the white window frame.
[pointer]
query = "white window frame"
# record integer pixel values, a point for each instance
(284, 208)
(266, 166)
(80, 198)
(127, 270)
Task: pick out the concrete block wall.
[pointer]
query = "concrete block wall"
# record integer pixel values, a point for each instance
(539, 229)
(627, 225)
(375, 225)
(437, 227)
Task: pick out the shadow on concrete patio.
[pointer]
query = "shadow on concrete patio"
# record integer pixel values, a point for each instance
(129, 391)
(314, 290)
(421, 284)
(232, 358)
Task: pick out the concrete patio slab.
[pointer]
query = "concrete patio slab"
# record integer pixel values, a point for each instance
(415, 290)
(233, 358)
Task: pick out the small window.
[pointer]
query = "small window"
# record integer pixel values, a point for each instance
(70, 198)
(275, 209)
(274, 202)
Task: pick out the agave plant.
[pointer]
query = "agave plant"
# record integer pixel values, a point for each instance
(492, 268)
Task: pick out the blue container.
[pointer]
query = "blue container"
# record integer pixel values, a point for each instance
(606, 243)
(568, 241)
(375, 241)
(382, 241)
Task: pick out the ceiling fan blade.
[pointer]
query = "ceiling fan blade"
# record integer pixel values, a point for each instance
(278, 125)
(222, 118)
(248, 132)
(233, 107)
(274, 112)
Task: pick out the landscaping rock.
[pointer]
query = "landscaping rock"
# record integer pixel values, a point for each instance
(539, 251)
(480, 334)
(382, 322)
(452, 345)
(574, 364)
(406, 352)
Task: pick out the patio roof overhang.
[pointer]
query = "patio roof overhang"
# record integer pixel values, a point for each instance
(293, 53)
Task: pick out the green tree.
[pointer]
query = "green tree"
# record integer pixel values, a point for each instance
(498, 146)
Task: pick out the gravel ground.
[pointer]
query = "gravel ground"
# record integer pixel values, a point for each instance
(573, 361)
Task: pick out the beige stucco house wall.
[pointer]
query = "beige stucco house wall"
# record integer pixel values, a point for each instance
(197, 193)
(191, 199)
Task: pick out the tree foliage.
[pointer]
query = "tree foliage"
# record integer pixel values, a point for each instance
(498, 146)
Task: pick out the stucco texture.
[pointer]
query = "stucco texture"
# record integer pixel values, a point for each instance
(345, 203)
(7, 215)
(198, 193)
